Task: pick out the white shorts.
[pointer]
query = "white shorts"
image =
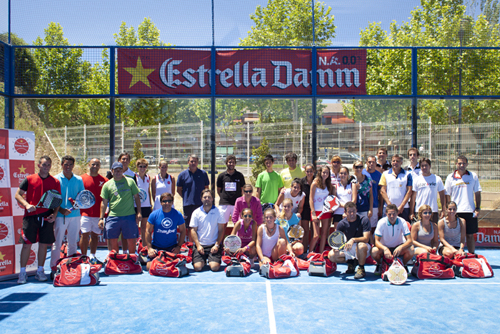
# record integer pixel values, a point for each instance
(374, 218)
(90, 224)
(226, 211)
(352, 253)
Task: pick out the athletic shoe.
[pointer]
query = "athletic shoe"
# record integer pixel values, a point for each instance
(23, 278)
(95, 260)
(40, 276)
(360, 273)
(377, 270)
(350, 269)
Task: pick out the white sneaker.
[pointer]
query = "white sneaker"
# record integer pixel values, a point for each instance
(23, 277)
(252, 263)
(40, 276)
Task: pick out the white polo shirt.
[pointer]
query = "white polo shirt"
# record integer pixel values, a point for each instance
(392, 235)
(207, 224)
(396, 185)
(462, 189)
(427, 189)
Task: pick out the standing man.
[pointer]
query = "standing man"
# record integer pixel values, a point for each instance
(414, 166)
(382, 163)
(120, 192)
(357, 248)
(269, 183)
(462, 187)
(89, 224)
(392, 238)
(161, 229)
(207, 232)
(67, 220)
(124, 158)
(38, 223)
(375, 175)
(336, 163)
(229, 184)
(190, 183)
(396, 187)
(426, 188)
(292, 172)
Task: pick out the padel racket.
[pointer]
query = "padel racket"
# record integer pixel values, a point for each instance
(330, 204)
(266, 206)
(396, 273)
(84, 200)
(233, 243)
(143, 195)
(51, 199)
(337, 240)
(295, 232)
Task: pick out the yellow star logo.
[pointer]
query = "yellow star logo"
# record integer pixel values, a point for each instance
(2, 257)
(22, 169)
(1, 198)
(139, 73)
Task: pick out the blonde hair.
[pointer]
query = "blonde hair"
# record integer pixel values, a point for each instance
(422, 209)
(286, 201)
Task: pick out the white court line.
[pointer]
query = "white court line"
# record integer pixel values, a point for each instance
(270, 309)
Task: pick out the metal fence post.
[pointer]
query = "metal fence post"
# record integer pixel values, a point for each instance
(430, 138)
(301, 142)
(123, 136)
(65, 140)
(85, 142)
(360, 140)
(248, 149)
(201, 143)
(159, 144)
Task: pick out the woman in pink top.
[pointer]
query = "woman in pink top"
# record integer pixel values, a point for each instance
(246, 229)
(248, 201)
(271, 239)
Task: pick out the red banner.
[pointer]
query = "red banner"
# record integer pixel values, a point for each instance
(488, 237)
(242, 72)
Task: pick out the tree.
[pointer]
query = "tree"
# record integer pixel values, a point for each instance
(138, 154)
(260, 153)
(440, 71)
(62, 71)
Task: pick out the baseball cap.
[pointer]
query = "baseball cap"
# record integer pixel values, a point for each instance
(116, 164)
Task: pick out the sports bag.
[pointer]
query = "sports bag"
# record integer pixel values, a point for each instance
(320, 265)
(284, 267)
(142, 251)
(168, 264)
(472, 266)
(237, 266)
(76, 271)
(64, 251)
(122, 264)
(432, 266)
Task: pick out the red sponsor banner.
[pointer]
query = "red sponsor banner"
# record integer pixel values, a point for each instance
(7, 260)
(488, 237)
(5, 202)
(19, 170)
(241, 72)
(18, 229)
(4, 144)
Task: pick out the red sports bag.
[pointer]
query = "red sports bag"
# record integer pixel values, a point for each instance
(237, 266)
(432, 266)
(64, 251)
(286, 266)
(122, 264)
(169, 265)
(320, 265)
(76, 271)
(472, 266)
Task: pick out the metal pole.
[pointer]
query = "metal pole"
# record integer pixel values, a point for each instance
(112, 111)
(9, 21)
(9, 86)
(414, 92)
(248, 149)
(360, 140)
(159, 144)
(314, 144)
(123, 136)
(212, 113)
(460, 97)
(301, 143)
(50, 142)
(430, 138)
(65, 140)
(313, 25)
(201, 144)
(85, 141)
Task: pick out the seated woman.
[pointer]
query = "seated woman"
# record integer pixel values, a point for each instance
(246, 229)
(247, 200)
(271, 239)
(424, 233)
(295, 194)
(451, 232)
(287, 219)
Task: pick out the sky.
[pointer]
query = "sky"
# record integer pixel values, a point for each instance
(182, 23)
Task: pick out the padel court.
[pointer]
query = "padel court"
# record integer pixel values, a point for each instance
(210, 302)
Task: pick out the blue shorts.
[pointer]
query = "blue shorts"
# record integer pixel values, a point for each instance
(125, 225)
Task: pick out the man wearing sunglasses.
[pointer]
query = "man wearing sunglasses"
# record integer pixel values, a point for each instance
(161, 229)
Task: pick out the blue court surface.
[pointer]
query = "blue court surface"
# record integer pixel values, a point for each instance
(209, 302)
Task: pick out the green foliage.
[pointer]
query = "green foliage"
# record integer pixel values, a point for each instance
(138, 154)
(260, 153)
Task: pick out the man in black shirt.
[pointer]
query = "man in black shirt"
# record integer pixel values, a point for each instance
(357, 231)
(229, 184)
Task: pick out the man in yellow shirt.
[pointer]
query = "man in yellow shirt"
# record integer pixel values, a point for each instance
(292, 172)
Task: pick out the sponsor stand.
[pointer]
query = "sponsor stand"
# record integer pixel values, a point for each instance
(17, 161)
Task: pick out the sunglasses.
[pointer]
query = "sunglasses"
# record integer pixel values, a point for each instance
(335, 162)
(143, 166)
(359, 167)
(248, 191)
(167, 201)
(427, 213)
(247, 216)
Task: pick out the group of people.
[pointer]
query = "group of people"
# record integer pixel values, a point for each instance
(377, 203)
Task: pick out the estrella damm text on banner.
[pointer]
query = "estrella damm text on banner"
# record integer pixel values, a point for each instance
(240, 72)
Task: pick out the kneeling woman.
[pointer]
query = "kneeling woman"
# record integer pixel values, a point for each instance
(246, 229)
(451, 232)
(287, 219)
(271, 239)
(424, 233)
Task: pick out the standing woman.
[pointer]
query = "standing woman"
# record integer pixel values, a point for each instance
(346, 192)
(305, 222)
(163, 183)
(271, 239)
(295, 194)
(320, 189)
(424, 232)
(364, 202)
(143, 183)
(451, 232)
